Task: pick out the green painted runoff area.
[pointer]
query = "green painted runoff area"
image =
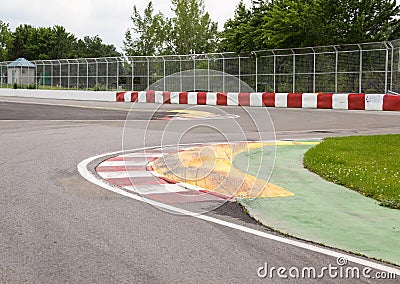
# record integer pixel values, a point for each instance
(320, 211)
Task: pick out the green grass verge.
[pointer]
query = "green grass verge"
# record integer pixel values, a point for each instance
(368, 164)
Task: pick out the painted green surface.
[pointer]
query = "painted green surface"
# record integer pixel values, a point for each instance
(321, 211)
(368, 164)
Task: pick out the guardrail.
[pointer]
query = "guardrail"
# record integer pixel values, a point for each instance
(372, 102)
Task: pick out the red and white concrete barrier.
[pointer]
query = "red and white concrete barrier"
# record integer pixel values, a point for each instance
(376, 102)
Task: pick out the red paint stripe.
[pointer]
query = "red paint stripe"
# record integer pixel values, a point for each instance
(244, 99)
(202, 98)
(182, 197)
(325, 101)
(391, 103)
(219, 195)
(222, 99)
(295, 100)
(168, 180)
(167, 97)
(131, 159)
(151, 97)
(134, 97)
(183, 98)
(356, 101)
(137, 181)
(268, 99)
(118, 169)
(120, 97)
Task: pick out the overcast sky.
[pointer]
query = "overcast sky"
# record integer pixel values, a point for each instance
(108, 19)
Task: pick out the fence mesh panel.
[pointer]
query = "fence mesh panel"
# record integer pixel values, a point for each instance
(360, 68)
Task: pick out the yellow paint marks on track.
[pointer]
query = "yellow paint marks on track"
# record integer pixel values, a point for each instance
(211, 167)
(191, 114)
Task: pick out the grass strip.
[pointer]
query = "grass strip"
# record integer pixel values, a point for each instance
(367, 164)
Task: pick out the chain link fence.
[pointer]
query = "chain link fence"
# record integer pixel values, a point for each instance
(360, 68)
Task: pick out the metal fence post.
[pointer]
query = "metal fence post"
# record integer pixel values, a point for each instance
(69, 74)
(164, 73)
(256, 62)
(391, 67)
(274, 55)
(107, 74)
(52, 74)
(133, 73)
(208, 73)
(386, 68)
(194, 73)
(314, 69)
(36, 81)
(43, 74)
(361, 69)
(87, 74)
(294, 70)
(240, 70)
(180, 73)
(223, 73)
(336, 68)
(77, 74)
(60, 85)
(97, 73)
(117, 74)
(148, 72)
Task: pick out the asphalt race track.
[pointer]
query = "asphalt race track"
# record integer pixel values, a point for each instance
(55, 227)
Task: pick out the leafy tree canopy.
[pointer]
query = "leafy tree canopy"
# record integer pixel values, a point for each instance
(93, 47)
(191, 30)
(5, 40)
(49, 43)
(301, 23)
(148, 33)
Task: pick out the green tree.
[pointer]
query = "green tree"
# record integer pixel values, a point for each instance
(93, 47)
(356, 21)
(148, 34)
(40, 43)
(295, 23)
(235, 36)
(23, 43)
(5, 40)
(192, 29)
(301, 23)
(55, 43)
(62, 43)
(189, 31)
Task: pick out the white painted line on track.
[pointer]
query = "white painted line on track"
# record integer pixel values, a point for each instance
(83, 170)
